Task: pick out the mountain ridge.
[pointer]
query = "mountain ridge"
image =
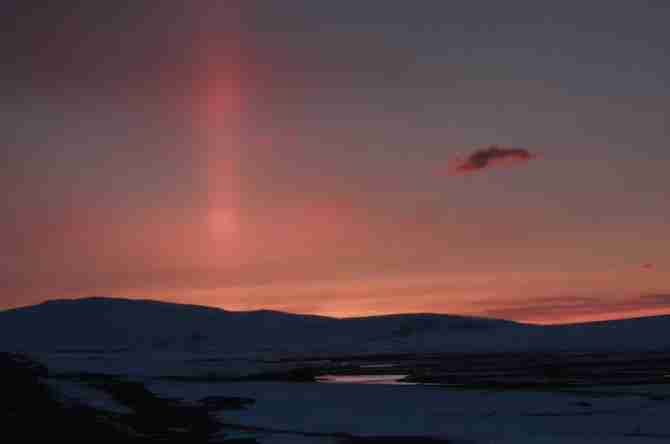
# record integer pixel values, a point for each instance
(111, 299)
(143, 324)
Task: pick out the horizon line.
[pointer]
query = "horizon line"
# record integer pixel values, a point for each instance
(367, 316)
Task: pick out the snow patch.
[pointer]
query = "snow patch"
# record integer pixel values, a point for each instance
(79, 393)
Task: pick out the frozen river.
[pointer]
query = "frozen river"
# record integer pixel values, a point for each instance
(364, 379)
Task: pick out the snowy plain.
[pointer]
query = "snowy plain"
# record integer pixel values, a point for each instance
(185, 346)
(624, 415)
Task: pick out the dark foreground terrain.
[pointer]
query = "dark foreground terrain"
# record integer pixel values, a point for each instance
(32, 411)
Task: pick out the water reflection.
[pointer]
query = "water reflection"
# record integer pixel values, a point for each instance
(364, 379)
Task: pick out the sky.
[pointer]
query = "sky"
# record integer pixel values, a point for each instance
(350, 158)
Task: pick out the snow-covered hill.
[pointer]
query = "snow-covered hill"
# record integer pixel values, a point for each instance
(108, 324)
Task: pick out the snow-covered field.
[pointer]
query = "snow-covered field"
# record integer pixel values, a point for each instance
(321, 412)
(286, 412)
(111, 338)
(74, 392)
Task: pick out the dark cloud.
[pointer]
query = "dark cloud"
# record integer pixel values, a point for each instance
(490, 156)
